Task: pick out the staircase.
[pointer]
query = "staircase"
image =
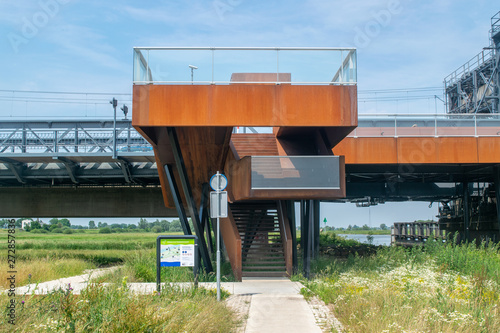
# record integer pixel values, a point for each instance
(262, 247)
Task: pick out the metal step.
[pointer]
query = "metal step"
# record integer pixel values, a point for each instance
(264, 268)
(263, 257)
(265, 274)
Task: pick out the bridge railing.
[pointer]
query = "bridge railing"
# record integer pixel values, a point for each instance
(221, 65)
(480, 59)
(436, 125)
(38, 137)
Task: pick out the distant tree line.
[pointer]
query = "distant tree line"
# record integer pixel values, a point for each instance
(64, 226)
(355, 227)
(142, 226)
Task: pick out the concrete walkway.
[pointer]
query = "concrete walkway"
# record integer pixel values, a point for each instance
(275, 306)
(263, 304)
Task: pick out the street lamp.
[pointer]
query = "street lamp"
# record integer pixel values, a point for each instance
(125, 111)
(114, 102)
(193, 67)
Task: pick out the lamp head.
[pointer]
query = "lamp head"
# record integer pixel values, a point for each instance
(193, 67)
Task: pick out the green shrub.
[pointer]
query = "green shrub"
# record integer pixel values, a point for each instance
(105, 230)
(39, 231)
(57, 230)
(67, 231)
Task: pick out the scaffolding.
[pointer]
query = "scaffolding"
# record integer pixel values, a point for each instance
(475, 86)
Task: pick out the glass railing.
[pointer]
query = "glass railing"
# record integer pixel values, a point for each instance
(295, 173)
(438, 125)
(232, 65)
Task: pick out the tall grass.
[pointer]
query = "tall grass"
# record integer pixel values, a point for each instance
(438, 288)
(140, 266)
(115, 309)
(34, 271)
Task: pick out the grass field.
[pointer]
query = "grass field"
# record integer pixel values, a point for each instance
(440, 288)
(115, 309)
(44, 257)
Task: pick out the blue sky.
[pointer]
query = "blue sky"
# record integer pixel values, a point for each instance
(86, 46)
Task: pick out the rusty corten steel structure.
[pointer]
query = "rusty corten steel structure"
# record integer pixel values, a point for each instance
(313, 128)
(190, 126)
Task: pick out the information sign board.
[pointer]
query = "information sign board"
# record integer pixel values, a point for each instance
(177, 252)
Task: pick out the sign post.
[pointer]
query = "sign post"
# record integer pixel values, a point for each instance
(176, 251)
(218, 209)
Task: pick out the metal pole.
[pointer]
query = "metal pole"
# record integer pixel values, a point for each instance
(466, 196)
(158, 267)
(114, 102)
(218, 236)
(496, 170)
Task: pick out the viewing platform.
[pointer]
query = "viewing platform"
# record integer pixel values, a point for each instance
(187, 102)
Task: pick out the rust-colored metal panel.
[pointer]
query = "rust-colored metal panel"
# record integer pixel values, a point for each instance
(318, 105)
(368, 150)
(286, 237)
(420, 150)
(244, 105)
(489, 150)
(426, 150)
(238, 174)
(417, 150)
(232, 242)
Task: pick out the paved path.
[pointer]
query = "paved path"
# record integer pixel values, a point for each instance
(78, 282)
(264, 304)
(275, 306)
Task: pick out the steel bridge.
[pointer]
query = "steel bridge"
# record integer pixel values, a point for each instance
(77, 152)
(70, 168)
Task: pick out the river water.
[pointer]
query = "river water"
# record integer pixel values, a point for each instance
(377, 239)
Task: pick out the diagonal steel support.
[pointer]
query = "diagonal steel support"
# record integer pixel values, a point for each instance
(125, 167)
(186, 187)
(12, 167)
(70, 167)
(203, 214)
(177, 199)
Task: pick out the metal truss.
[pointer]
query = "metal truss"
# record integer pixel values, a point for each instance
(475, 86)
(74, 153)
